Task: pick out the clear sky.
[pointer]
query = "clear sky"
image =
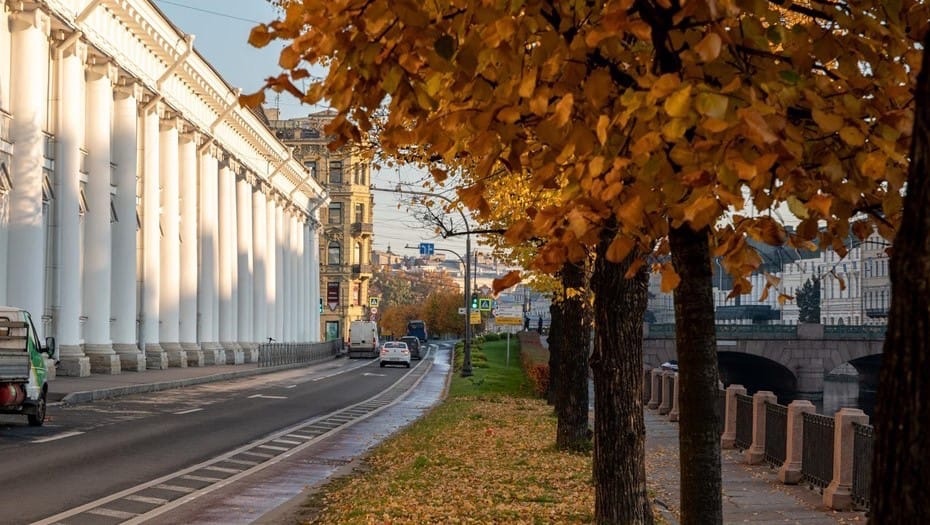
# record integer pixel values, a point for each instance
(222, 30)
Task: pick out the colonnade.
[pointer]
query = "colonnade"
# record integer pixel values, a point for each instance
(140, 237)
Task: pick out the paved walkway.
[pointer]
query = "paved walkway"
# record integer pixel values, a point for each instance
(751, 493)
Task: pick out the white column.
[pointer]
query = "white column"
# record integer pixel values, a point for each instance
(69, 138)
(244, 260)
(155, 356)
(97, 231)
(123, 291)
(227, 267)
(295, 277)
(315, 286)
(304, 321)
(169, 323)
(271, 250)
(209, 283)
(187, 303)
(281, 285)
(290, 278)
(259, 242)
(29, 103)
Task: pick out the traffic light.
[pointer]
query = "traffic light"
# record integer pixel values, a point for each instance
(321, 305)
(474, 301)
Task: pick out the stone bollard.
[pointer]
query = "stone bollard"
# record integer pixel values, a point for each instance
(838, 494)
(756, 452)
(728, 438)
(790, 471)
(673, 415)
(666, 405)
(656, 399)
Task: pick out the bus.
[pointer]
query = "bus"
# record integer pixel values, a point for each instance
(417, 329)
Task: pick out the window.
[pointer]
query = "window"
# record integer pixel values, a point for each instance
(359, 212)
(335, 213)
(358, 254)
(335, 172)
(311, 167)
(357, 170)
(335, 253)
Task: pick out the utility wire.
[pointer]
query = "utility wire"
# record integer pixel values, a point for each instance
(207, 11)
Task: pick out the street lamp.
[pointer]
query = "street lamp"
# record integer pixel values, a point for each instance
(466, 361)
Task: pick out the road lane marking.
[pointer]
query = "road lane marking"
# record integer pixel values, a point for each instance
(298, 436)
(259, 454)
(263, 396)
(372, 374)
(110, 513)
(223, 469)
(202, 478)
(175, 488)
(241, 462)
(286, 442)
(146, 499)
(272, 447)
(191, 411)
(63, 435)
(291, 386)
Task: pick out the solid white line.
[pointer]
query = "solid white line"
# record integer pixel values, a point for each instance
(291, 386)
(110, 513)
(191, 411)
(263, 396)
(57, 436)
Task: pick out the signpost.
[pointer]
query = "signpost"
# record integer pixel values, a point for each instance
(427, 248)
(475, 318)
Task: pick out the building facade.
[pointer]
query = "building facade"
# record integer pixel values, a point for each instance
(346, 232)
(145, 217)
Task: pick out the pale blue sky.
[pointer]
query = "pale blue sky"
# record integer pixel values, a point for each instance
(222, 31)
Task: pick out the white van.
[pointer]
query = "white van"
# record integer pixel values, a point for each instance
(363, 339)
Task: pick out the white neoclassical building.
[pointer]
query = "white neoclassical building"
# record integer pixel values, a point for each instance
(145, 217)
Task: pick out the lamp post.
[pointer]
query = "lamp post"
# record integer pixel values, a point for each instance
(466, 361)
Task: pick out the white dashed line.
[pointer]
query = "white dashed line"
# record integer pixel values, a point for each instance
(191, 411)
(57, 437)
(263, 396)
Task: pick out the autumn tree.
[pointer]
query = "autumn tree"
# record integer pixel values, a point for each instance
(899, 491)
(808, 298)
(663, 127)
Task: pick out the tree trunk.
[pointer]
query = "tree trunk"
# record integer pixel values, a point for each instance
(555, 346)
(696, 341)
(571, 393)
(617, 365)
(900, 492)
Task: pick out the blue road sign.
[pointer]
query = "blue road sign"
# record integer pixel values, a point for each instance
(426, 248)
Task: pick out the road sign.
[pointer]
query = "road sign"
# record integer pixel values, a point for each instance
(373, 310)
(508, 320)
(374, 302)
(476, 318)
(484, 304)
(461, 310)
(427, 248)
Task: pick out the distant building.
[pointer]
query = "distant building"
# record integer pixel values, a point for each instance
(345, 243)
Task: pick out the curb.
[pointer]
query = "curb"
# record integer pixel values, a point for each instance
(88, 396)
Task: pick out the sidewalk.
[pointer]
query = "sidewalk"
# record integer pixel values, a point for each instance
(751, 493)
(72, 390)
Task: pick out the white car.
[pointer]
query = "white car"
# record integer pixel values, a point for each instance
(395, 352)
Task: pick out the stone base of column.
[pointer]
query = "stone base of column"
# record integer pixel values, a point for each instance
(177, 359)
(103, 360)
(213, 354)
(155, 357)
(194, 354)
(130, 358)
(727, 441)
(235, 357)
(673, 415)
(837, 496)
(73, 362)
(790, 474)
(754, 456)
(250, 352)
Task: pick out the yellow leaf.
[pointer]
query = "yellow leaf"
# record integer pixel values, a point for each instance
(253, 100)
(563, 109)
(664, 85)
(527, 83)
(783, 298)
(679, 103)
(852, 136)
(259, 36)
(772, 280)
(711, 105)
(670, 278)
(502, 283)
(509, 115)
(602, 123)
(827, 121)
(674, 129)
(289, 58)
(709, 47)
(796, 207)
(619, 248)
(765, 292)
(821, 204)
(715, 125)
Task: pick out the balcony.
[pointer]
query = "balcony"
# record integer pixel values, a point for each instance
(877, 313)
(362, 228)
(361, 270)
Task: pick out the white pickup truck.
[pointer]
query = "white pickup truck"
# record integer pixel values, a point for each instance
(23, 365)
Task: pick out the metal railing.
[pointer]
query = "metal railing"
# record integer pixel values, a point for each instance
(743, 421)
(776, 433)
(277, 354)
(863, 436)
(776, 331)
(817, 450)
(721, 408)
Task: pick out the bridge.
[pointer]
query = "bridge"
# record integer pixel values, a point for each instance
(781, 358)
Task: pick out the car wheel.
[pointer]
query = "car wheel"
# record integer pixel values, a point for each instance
(408, 364)
(38, 418)
(382, 365)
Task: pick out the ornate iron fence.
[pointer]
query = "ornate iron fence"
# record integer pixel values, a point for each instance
(776, 433)
(743, 421)
(863, 436)
(817, 450)
(277, 354)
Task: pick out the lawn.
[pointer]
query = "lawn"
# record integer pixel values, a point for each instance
(485, 455)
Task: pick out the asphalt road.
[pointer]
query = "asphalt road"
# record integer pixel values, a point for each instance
(87, 452)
